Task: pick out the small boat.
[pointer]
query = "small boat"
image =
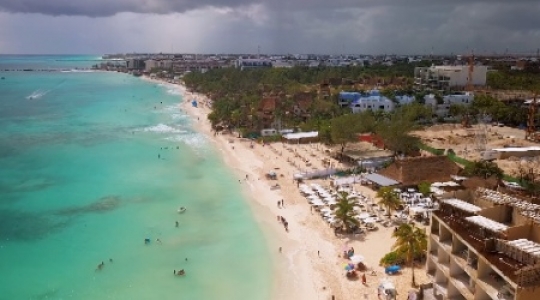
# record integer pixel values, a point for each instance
(182, 210)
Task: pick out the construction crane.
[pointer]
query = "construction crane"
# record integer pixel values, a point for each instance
(465, 121)
(532, 134)
(470, 86)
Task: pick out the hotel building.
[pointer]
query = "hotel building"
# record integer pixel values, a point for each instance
(484, 245)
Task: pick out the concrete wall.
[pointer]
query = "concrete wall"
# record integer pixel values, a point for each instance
(518, 232)
(497, 213)
(534, 234)
(528, 294)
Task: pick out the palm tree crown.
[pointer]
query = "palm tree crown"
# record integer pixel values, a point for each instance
(412, 241)
(345, 212)
(389, 199)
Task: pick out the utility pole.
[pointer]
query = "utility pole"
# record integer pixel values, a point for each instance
(258, 52)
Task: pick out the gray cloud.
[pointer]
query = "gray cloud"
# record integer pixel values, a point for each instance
(98, 8)
(278, 26)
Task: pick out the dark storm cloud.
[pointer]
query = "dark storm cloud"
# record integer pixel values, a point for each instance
(98, 8)
(101, 8)
(277, 26)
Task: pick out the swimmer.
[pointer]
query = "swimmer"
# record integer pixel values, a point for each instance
(110, 260)
(176, 223)
(100, 266)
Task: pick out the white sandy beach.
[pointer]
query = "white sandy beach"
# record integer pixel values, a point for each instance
(310, 265)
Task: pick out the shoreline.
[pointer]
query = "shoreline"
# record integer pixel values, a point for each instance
(310, 264)
(292, 272)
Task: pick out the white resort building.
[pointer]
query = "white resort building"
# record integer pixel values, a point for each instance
(441, 77)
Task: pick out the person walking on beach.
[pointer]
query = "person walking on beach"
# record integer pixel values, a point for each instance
(279, 249)
(279, 204)
(364, 280)
(282, 203)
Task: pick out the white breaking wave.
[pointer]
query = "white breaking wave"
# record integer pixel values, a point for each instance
(173, 89)
(78, 71)
(37, 94)
(162, 128)
(179, 116)
(194, 140)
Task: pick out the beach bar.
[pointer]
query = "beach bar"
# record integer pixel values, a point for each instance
(301, 137)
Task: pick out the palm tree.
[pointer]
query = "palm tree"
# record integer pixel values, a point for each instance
(412, 241)
(389, 199)
(345, 212)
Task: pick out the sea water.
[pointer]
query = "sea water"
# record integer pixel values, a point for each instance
(91, 165)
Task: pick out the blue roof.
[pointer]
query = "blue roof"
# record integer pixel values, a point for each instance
(349, 96)
(355, 96)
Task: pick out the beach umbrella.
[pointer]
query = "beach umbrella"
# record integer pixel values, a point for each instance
(363, 215)
(370, 220)
(356, 259)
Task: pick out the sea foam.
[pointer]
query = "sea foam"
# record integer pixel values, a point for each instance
(37, 94)
(162, 128)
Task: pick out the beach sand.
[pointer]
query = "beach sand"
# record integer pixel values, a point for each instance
(309, 265)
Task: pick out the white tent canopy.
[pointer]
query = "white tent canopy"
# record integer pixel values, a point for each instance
(301, 135)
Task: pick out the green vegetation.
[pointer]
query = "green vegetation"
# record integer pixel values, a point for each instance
(412, 241)
(251, 100)
(345, 213)
(484, 169)
(424, 188)
(393, 258)
(389, 199)
(513, 80)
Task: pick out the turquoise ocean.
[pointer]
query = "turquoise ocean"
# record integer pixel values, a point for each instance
(94, 163)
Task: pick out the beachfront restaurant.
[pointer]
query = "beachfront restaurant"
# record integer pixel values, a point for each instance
(301, 137)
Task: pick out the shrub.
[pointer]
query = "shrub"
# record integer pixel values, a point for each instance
(392, 258)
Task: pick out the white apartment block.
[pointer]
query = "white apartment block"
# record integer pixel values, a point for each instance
(443, 109)
(150, 64)
(484, 246)
(449, 76)
(372, 103)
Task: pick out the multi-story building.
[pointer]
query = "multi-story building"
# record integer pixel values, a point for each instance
(135, 64)
(484, 246)
(359, 102)
(244, 64)
(443, 77)
(442, 108)
(150, 64)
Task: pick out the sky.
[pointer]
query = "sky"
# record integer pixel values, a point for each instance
(276, 26)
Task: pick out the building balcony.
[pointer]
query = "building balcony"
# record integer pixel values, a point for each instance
(441, 288)
(491, 286)
(435, 233)
(446, 245)
(434, 254)
(444, 267)
(462, 262)
(462, 284)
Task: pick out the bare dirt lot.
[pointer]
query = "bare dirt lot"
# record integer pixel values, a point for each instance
(468, 142)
